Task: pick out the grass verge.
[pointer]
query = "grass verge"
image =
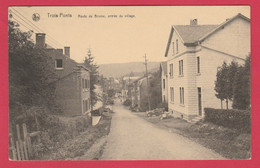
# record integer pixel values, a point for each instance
(230, 143)
(74, 148)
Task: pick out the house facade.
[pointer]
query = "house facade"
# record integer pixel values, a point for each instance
(73, 80)
(127, 86)
(164, 81)
(139, 93)
(194, 53)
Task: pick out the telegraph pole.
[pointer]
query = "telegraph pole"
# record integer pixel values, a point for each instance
(147, 80)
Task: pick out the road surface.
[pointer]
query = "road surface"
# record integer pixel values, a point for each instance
(133, 138)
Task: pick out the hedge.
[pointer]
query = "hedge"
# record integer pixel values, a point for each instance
(231, 118)
(127, 102)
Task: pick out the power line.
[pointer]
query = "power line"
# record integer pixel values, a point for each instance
(33, 32)
(30, 29)
(49, 34)
(35, 27)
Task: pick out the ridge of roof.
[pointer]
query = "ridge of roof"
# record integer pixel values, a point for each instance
(83, 66)
(186, 32)
(224, 24)
(192, 33)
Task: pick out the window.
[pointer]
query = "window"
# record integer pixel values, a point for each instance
(181, 67)
(59, 63)
(177, 47)
(83, 83)
(198, 64)
(171, 70)
(172, 94)
(86, 83)
(89, 104)
(172, 48)
(181, 95)
(86, 105)
(163, 83)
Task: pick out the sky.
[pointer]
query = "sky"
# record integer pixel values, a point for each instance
(141, 29)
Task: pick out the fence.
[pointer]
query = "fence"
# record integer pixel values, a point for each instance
(21, 148)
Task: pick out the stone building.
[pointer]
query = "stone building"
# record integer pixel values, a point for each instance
(73, 80)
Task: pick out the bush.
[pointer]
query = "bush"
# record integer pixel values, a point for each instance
(97, 112)
(55, 130)
(235, 119)
(163, 105)
(127, 102)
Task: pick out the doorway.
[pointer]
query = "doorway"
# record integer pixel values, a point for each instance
(199, 101)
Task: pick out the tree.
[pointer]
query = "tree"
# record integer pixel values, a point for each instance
(155, 89)
(221, 83)
(30, 73)
(242, 86)
(231, 74)
(94, 76)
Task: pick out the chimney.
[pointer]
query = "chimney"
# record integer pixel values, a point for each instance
(60, 51)
(194, 22)
(40, 40)
(67, 51)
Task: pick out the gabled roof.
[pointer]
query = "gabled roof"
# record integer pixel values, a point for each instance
(192, 34)
(224, 24)
(164, 67)
(83, 66)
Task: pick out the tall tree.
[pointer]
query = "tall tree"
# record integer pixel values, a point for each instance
(242, 86)
(231, 73)
(155, 89)
(94, 76)
(30, 72)
(221, 83)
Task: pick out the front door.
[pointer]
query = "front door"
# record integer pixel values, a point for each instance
(199, 101)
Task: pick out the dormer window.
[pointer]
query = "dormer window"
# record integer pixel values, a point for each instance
(59, 64)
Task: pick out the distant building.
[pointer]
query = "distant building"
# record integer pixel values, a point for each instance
(164, 81)
(139, 94)
(127, 86)
(194, 52)
(73, 80)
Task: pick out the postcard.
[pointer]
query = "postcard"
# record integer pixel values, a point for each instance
(129, 83)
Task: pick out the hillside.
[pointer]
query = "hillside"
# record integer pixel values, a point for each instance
(120, 69)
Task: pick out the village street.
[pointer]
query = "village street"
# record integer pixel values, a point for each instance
(132, 138)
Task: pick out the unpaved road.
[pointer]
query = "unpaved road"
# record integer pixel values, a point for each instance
(132, 138)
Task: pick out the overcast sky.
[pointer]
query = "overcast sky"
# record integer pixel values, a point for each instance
(118, 40)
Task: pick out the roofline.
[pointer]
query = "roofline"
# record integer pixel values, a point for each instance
(84, 67)
(170, 39)
(178, 33)
(169, 42)
(205, 36)
(223, 24)
(78, 64)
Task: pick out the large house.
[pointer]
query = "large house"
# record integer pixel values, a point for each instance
(194, 52)
(73, 80)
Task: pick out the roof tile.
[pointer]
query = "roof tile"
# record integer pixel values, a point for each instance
(192, 33)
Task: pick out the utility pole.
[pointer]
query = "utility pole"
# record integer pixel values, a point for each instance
(147, 80)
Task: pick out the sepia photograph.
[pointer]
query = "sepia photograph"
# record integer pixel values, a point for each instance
(129, 82)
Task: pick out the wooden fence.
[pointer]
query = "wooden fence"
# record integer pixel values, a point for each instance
(21, 147)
